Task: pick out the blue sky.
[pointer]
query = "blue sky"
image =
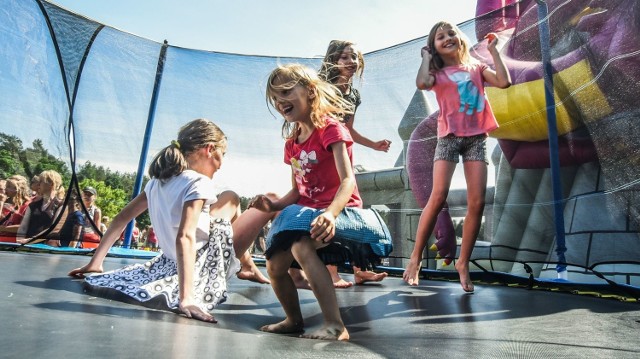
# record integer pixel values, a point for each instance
(297, 28)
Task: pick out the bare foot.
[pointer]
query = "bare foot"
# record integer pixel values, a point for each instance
(335, 277)
(329, 333)
(299, 279)
(341, 283)
(253, 274)
(284, 327)
(412, 273)
(465, 278)
(362, 277)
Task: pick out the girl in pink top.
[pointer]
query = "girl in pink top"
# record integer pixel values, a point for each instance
(464, 121)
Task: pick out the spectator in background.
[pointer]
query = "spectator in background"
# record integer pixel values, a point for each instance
(135, 236)
(43, 210)
(104, 224)
(35, 186)
(93, 219)
(143, 237)
(5, 204)
(152, 239)
(71, 232)
(18, 193)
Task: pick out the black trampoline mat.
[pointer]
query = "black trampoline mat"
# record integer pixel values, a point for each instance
(47, 314)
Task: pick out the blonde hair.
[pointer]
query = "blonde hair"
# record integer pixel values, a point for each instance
(172, 160)
(328, 70)
(327, 101)
(23, 191)
(436, 62)
(53, 177)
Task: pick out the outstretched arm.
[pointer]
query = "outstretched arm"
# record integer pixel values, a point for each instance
(382, 145)
(129, 212)
(266, 204)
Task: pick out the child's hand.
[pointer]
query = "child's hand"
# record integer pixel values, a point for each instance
(80, 272)
(194, 312)
(323, 227)
(425, 52)
(262, 203)
(382, 145)
(492, 41)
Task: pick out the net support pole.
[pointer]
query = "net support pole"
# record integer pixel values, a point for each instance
(543, 28)
(147, 138)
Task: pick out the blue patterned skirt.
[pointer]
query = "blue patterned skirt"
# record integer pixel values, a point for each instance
(362, 238)
(216, 262)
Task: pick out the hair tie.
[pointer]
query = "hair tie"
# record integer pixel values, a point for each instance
(175, 143)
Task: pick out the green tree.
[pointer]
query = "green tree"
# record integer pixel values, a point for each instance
(10, 149)
(115, 180)
(9, 164)
(244, 202)
(39, 159)
(115, 189)
(14, 159)
(110, 200)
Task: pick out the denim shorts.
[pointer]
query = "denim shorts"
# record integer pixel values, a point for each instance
(473, 148)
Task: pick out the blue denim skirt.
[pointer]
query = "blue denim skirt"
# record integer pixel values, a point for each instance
(362, 238)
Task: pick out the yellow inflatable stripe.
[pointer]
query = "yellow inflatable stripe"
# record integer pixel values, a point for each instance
(521, 109)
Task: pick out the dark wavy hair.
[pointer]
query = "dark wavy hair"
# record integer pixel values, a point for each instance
(328, 70)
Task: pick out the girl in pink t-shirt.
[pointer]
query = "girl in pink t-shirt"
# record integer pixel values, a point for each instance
(321, 216)
(464, 121)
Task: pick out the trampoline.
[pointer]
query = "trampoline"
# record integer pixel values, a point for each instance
(46, 313)
(560, 218)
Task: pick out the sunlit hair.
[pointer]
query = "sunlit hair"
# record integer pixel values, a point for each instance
(327, 101)
(55, 179)
(197, 134)
(329, 71)
(436, 60)
(23, 192)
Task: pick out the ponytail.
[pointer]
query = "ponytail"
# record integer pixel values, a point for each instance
(172, 160)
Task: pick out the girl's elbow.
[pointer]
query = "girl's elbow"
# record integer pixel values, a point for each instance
(185, 240)
(503, 84)
(350, 182)
(422, 85)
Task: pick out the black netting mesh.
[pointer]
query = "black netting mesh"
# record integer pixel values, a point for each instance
(76, 97)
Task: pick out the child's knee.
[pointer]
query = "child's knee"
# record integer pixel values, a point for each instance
(438, 198)
(229, 197)
(277, 269)
(475, 205)
(303, 249)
